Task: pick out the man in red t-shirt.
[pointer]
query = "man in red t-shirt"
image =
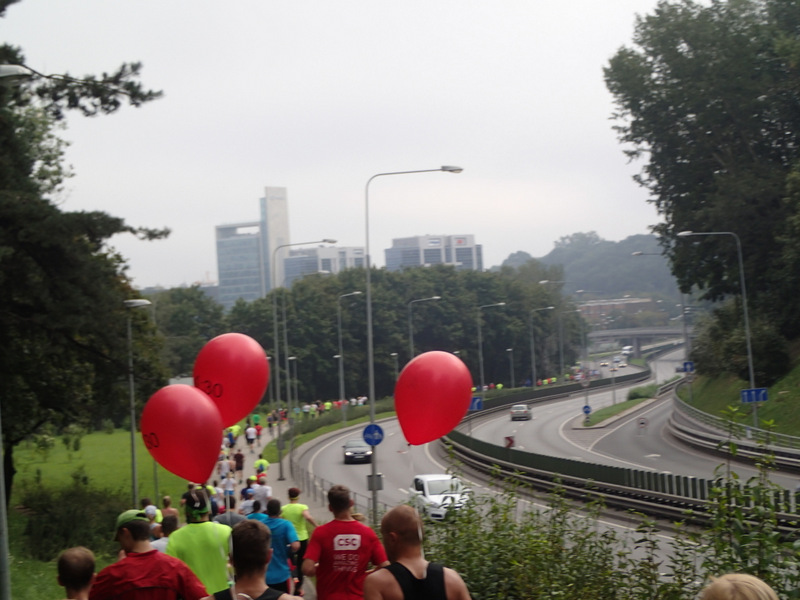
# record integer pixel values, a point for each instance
(144, 573)
(340, 551)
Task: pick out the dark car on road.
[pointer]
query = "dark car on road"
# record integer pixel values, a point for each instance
(357, 451)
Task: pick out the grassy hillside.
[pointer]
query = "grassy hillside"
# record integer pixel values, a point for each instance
(712, 395)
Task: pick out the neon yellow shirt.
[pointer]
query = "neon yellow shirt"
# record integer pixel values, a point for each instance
(293, 512)
(204, 547)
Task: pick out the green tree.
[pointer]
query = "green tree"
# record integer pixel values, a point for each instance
(707, 96)
(187, 318)
(62, 320)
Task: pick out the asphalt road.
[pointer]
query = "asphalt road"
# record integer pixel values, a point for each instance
(556, 430)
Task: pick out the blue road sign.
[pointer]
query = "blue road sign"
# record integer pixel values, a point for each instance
(476, 403)
(688, 367)
(754, 395)
(373, 434)
(587, 409)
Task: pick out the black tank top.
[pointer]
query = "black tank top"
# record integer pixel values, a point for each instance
(269, 594)
(430, 588)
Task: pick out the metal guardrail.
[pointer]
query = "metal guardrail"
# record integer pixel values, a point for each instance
(317, 488)
(779, 440)
(650, 492)
(662, 495)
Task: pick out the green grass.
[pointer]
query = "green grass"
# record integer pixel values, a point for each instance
(106, 459)
(783, 407)
(603, 414)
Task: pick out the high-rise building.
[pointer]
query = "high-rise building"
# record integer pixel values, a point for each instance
(460, 251)
(275, 222)
(244, 251)
(323, 259)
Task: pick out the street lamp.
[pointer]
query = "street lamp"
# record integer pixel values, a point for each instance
(370, 350)
(533, 346)
(293, 360)
(561, 339)
(131, 304)
(744, 306)
(277, 363)
(411, 324)
(340, 356)
(396, 365)
(480, 341)
(290, 415)
(511, 364)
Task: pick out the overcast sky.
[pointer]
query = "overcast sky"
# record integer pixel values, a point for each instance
(318, 96)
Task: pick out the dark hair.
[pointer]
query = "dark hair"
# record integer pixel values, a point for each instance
(169, 524)
(76, 567)
(146, 502)
(140, 530)
(339, 498)
(273, 507)
(251, 544)
(256, 506)
(197, 504)
(294, 493)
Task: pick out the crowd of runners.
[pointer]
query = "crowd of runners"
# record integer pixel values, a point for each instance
(230, 539)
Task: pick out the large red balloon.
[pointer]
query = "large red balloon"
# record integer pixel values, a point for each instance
(233, 370)
(182, 428)
(431, 396)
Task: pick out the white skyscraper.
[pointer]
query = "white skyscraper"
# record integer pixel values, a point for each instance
(275, 224)
(244, 251)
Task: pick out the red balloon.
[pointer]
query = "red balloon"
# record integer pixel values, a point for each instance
(431, 396)
(232, 369)
(182, 428)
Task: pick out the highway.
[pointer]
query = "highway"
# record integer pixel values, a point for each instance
(556, 430)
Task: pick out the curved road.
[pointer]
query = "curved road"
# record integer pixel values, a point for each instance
(556, 430)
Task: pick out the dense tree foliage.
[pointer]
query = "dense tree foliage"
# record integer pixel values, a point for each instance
(62, 318)
(186, 319)
(605, 269)
(449, 324)
(708, 96)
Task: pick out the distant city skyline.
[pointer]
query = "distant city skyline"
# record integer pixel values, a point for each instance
(319, 100)
(246, 252)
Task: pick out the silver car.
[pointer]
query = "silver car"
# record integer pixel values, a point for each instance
(520, 412)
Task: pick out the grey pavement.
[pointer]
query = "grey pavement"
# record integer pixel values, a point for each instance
(280, 490)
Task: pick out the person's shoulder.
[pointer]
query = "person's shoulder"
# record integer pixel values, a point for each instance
(382, 584)
(455, 585)
(221, 526)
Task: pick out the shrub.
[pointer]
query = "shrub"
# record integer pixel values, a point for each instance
(72, 516)
(645, 391)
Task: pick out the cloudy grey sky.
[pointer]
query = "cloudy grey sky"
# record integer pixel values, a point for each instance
(317, 96)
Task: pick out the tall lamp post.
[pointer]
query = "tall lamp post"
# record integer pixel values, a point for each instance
(743, 287)
(561, 339)
(411, 324)
(480, 342)
(510, 352)
(370, 349)
(533, 346)
(130, 305)
(560, 331)
(290, 420)
(341, 353)
(277, 362)
(396, 365)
